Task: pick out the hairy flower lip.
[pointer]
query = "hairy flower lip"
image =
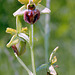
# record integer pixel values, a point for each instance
(31, 16)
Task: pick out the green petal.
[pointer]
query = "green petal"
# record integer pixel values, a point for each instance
(43, 9)
(14, 40)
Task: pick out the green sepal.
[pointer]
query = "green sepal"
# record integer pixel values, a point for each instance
(43, 9)
(14, 40)
(18, 25)
(20, 11)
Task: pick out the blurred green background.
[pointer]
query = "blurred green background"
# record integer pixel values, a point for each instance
(62, 34)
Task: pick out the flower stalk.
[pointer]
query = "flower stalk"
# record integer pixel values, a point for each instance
(47, 32)
(31, 47)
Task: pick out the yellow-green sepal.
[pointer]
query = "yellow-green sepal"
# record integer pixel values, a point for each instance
(43, 9)
(14, 40)
(20, 11)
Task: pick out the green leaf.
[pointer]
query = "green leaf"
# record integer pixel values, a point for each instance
(24, 36)
(43, 66)
(14, 40)
(43, 9)
(20, 11)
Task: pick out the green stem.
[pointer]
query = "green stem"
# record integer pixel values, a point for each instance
(22, 63)
(31, 47)
(47, 32)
